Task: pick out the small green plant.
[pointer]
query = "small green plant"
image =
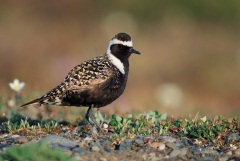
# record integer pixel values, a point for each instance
(36, 152)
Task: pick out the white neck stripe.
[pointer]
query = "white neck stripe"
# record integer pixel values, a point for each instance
(114, 59)
(116, 62)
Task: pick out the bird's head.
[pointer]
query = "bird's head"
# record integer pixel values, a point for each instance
(121, 46)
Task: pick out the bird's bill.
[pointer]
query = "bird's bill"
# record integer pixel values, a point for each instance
(134, 51)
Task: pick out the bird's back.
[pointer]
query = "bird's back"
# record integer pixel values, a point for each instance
(94, 82)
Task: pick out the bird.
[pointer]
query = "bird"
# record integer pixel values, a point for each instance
(96, 82)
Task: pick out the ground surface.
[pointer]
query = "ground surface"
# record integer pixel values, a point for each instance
(83, 144)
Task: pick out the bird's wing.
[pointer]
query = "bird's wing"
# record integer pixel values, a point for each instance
(83, 90)
(83, 77)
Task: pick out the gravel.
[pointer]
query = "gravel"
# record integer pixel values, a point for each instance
(137, 148)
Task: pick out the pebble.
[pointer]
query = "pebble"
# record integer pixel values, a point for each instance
(15, 136)
(95, 148)
(97, 143)
(185, 141)
(161, 147)
(172, 142)
(105, 148)
(173, 145)
(3, 146)
(87, 140)
(167, 138)
(79, 150)
(225, 158)
(139, 142)
(232, 136)
(154, 158)
(145, 148)
(126, 145)
(208, 159)
(21, 139)
(209, 152)
(229, 153)
(59, 142)
(237, 153)
(102, 159)
(78, 158)
(177, 152)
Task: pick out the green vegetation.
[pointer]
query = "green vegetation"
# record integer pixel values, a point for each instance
(36, 152)
(152, 123)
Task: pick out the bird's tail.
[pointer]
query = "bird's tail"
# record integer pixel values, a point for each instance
(37, 102)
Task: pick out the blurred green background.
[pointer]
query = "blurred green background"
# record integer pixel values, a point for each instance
(190, 51)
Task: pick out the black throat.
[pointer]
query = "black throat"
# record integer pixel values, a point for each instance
(122, 53)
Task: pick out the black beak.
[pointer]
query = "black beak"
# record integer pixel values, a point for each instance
(131, 50)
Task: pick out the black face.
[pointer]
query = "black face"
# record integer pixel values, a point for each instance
(122, 52)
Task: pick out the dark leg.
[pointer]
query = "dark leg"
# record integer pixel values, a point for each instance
(89, 114)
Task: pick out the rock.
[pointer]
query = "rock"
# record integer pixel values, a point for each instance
(154, 158)
(21, 139)
(178, 152)
(95, 148)
(175, 144)
(97, 143)
(194, 150)
(229, 153)
(78, 158)
(105, 148)
(167, 138)
(148, 139)
(126, 144)
(79, 150)
(172, 145)
(155, 145)
(223, 158)
(3, 146)
(139, 142)
(172, 142)
(152, 154)
(185, 141)
(161, 147)
(59, 142)
(233, 137)
(208, 152)
(139, 137)
(87, 140)
(237, 153)
(144, 156)
(208, 159)
(15, 136)
(102, 159)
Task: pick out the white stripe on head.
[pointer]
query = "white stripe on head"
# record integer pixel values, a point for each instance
(125, 43)
(116, 41)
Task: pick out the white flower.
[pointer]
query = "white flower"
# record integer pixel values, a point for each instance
(11, 103)
(105, 126)
(204, 119)
(17, 86)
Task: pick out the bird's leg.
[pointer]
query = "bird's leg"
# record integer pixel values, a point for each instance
(89, 114)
